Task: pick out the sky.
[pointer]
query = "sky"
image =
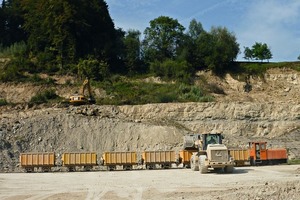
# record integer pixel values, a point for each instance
(274, 22)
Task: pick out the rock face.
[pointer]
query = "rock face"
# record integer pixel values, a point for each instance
(252, 119)
(145, 127)
(270, 112)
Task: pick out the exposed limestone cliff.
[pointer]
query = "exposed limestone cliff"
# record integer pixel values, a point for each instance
(269, 112)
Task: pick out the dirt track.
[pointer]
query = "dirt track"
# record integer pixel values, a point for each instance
(267, 182)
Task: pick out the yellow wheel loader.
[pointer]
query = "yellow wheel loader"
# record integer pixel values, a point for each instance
(211, 154)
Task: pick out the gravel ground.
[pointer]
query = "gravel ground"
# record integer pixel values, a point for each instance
(263, 182)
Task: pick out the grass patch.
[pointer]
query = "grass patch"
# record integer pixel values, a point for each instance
(240, 70)
(294, 162)
(259, 68)
(44, 97)
(135, 92)
(37, 80)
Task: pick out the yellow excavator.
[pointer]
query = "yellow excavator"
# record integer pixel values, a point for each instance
(81, 98)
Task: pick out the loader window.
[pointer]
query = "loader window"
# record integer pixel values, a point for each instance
(212, 139)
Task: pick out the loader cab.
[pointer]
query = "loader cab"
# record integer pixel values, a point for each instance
(211, 138)
(200, 141)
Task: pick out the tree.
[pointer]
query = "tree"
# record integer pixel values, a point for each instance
(248, 53)
(64, 31)
(132, 45)
(219, 47)
(261, 51)
(162, 39)
(190, 48)
(195, 29)
(11, 23)
(93, 69)
(258, 51)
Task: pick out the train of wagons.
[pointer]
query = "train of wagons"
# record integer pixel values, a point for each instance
(256, 154)
(73, 161)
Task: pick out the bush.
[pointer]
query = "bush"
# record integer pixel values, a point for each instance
(3, 102)
(214, 88)
(38, 80)
(171, 69)
(16, 49)
(167, 98)
(190, 93)
(11, 73)
(93, 68)
(44, 97)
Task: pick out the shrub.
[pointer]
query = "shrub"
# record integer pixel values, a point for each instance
(16, 49)
(214, 88)
(171, 69)
(190, 93)
(38, 80)
(3, 102)
(167, 98)
(10, 73)
(44, 97)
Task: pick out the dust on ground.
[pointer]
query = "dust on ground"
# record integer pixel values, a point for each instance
(263, 182)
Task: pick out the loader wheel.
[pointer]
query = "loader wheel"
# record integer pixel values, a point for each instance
(228, 169)
(194, 165)
(203, 169)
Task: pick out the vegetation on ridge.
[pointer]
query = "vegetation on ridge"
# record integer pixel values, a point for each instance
(79, 38)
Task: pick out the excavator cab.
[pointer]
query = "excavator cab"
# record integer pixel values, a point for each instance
(81, 98)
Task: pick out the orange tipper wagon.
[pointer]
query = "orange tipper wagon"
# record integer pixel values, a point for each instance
(85, 160)
(32, 161)
(126, 160)
(162, 158)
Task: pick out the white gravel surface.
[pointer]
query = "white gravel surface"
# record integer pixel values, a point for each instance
(263, 182)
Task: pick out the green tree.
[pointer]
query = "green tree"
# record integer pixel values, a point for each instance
(162, 39)
(248, 53)
(92, 68)
(259, 51)
(64, 31)
(219, 48)
(132, 45)
(195, 29)
(11, 23)
(192, 54)
(2, 24)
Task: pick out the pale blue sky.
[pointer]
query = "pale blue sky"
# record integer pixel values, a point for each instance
(275, 22)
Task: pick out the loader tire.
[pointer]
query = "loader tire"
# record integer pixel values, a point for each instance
(203, 169)
(194, 165)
